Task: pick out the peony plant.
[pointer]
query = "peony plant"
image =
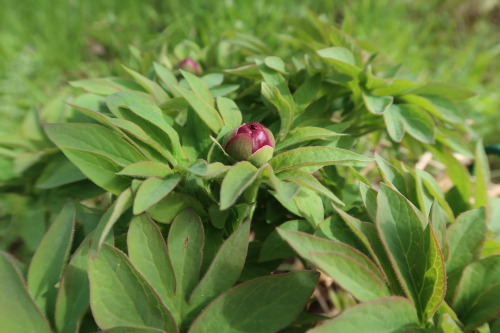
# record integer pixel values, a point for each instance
(316, 221)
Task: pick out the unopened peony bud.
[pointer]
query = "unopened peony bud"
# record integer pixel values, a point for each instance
(190, 65)
(251, 141)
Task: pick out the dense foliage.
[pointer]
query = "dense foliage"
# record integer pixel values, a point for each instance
(163, 231)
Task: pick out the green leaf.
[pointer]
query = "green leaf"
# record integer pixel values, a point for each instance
(217, 217)
(310, 206)
(59, 171)
(29, 219)
(341, 59)
(414, 252)
(456, 171)
(476, 296)
(304, 244)
(204, 108)
(317, 157)
(486, 308)
(369, 197)
(439, 222)
(274, 247)
(185, 246)
(275, 63)
(167, 78)
(130, 130)
(482, 173)
(119, 206)
(304, 134)
(305, 179)
(276, 79)
(99, 169)
(74, 293)
(455, 140)
(230, 112)
(50, 258)
(168, 208)
(150, 86)
(204, 170)
(151, 122)
(307, 92)
(146, 169)
(198, 86)
(119, 295)
(435, 191)
(394, 123)
(224, 270)
(18, 311)
(105, 86)
(351, 275)
(417, 123)
(177, 103)
(132, 329)
(376, 104)
(224, 90)
(391, 175)
(445, 89)
(440, 107)
(154, 116)
(95, 139)
(118, 103)
(367, 234)
(148, 253)
(465, 238)
(275, 302)
(236, 181)
(397, 87)
(213, 79)
(285, 191)
(391, 314)
(153, 190)
(285, 110)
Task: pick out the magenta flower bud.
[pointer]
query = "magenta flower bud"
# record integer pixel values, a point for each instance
(190, 65)
(251, 141)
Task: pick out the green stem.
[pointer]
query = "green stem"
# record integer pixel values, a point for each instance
(250, 196)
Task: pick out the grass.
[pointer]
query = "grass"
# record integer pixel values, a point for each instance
(44, 44)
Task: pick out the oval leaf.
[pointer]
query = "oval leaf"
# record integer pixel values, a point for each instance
(465, 237)
(185, 246)
(119, 295)
(148, 253)
(391, 314)
(304, 244)
(377, 104)
(93, 138)
(74, 292)
(237, 180)
(224, 270)
(48, 262)
(414, 252)
(230, 112)
(477, 279)
(351, 275)
(146, 169)
(153, 190)
(18, 311)
(317, 157)
(285, 110)
(275, 302)
(304, 134)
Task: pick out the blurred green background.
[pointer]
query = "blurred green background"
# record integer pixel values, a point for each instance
(44, 44)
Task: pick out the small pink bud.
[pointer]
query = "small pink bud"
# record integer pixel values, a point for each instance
(251, 141)
(190, 65)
